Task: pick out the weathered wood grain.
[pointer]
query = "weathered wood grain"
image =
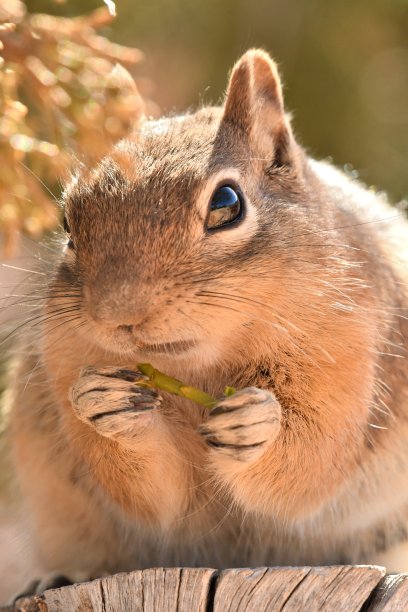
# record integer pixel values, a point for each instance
(290, 589)
(257, 589)
(391, 595)
(152, 590)
(342, 588)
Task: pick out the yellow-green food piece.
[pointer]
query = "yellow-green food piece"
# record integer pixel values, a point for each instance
(166, 383)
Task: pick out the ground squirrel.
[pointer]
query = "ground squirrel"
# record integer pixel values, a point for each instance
(211, 245)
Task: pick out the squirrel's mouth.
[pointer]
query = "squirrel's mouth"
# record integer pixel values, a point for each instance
(168, 348)
(124, 337)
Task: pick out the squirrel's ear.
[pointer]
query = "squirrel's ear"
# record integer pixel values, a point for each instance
(254, 104)
(237, 107)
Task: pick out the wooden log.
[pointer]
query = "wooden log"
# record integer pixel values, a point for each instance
(391, 595)
(285, 589)
(340, 588)
(152, 590)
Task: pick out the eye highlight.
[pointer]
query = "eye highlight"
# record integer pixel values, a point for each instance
(226, 207)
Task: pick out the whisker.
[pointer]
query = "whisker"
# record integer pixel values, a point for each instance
(43, 244)
(65, 321)
(341, 227)
(4, 265)
(37, 177)
(38, 319)
(189, 317)
(211, 304)
(234, 297)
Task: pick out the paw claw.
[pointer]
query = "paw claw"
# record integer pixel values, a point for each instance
(110, 400)
(243, 425)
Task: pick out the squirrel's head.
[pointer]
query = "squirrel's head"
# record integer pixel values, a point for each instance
(177, 240)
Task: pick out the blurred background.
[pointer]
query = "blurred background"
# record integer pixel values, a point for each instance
(344, 64)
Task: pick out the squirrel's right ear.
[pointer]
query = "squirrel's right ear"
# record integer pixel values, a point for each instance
(254, 105)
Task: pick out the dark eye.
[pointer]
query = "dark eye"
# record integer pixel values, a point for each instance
(226, 207)
(68, 231)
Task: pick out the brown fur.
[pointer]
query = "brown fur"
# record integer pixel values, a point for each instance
(305, 299)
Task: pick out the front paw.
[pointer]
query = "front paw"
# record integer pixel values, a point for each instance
(114, 401)
(243, 425)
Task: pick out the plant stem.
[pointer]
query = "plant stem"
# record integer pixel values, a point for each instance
(161, 381)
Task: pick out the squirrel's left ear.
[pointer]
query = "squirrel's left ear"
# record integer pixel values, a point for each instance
(254, 106)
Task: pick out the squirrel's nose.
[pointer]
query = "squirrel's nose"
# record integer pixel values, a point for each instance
(128, 329)
(122, 320)
(123, 313)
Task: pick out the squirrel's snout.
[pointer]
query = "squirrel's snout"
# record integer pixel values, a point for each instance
(128, 329)
(123, 320)
(120, 310)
